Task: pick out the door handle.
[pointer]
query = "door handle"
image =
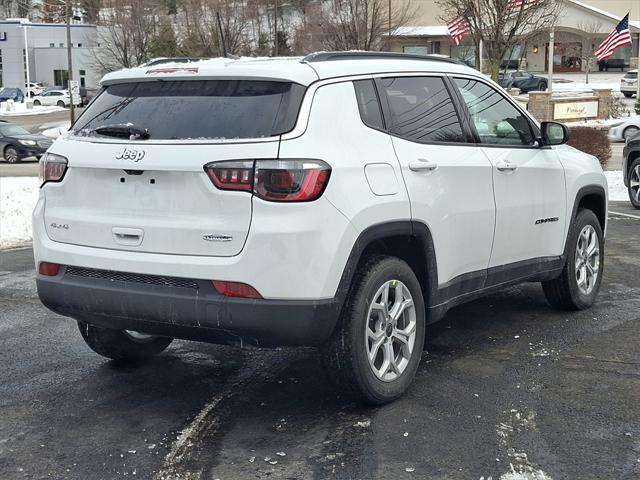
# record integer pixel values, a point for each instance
(506, 167)
(421, 165)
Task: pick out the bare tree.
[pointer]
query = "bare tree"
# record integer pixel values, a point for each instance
(125, 34)
(202, 36)
(363, 24)
(589, 45)
(502, 24)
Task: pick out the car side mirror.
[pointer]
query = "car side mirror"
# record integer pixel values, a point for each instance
(554, 133)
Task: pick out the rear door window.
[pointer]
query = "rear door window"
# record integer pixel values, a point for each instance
(422, 110)
(196, 109)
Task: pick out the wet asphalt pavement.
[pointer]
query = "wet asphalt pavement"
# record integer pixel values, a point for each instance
(506, 385)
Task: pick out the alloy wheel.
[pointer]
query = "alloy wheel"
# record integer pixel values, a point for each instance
(11, 155)
(587, 259)
(634, 183)
(390, 330)
(629, 133)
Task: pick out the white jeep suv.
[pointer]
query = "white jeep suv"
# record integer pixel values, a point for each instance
(342, 200)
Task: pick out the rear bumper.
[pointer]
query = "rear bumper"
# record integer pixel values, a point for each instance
(185, 308)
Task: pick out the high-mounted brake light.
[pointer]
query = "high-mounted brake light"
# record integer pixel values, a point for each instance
(52, 168)
(235, 289)
(287, 180)
(48, 269)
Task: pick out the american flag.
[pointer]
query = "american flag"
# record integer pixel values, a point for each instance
(513, 4)
(458, 27)
(620, 37)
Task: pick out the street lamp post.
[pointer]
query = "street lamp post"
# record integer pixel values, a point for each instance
(26, 61)
(72, 112)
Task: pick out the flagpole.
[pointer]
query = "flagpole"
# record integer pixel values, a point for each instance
(637, 56)
(551, 52)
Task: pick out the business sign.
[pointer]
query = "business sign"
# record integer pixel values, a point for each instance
(575, 110)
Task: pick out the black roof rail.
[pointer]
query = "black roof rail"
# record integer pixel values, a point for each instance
(364, 55)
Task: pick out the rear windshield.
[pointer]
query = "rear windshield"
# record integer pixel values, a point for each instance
(631, 75)
(196, 109)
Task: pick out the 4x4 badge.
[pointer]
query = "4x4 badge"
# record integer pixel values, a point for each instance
(130, 154)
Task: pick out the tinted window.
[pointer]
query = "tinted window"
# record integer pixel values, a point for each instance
(368, 103)
(197, 109)
(9, 129)
(497, 121)
(422, 110)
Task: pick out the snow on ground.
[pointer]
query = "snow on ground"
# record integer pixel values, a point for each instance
(18, 196)
(617, 190)
(578, 87)
(21, 109)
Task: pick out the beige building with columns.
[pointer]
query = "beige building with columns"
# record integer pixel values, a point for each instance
(581, 27)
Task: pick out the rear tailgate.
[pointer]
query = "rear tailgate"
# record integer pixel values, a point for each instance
(150, 198)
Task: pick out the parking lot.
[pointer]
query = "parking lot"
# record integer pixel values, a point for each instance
(508, 389)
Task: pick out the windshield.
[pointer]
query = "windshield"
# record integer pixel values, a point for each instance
(9, 129)
(196, 109)
(631, 75)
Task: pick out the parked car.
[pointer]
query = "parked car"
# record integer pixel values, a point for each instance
(16, 143)
(55, 97)
(629, 83)
(34, 88)
(609, 63)
(525, 81)
(14, 94)
(623, 129)
(320, 202)
(631, 170)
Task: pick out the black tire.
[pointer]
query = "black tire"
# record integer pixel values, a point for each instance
(11, 155)
(60, 103)
(628, 95)
(121, 346)
(634, 183)
(543, 86)
(37, 103)
(630, 132)
(564, 292)
(346, 353)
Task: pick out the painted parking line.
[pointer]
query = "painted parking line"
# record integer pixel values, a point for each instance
(637, 217)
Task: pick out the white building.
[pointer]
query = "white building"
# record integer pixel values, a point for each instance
(47, 44)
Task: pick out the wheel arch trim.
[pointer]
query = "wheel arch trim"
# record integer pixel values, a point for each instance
(414, 230)
(596, 190)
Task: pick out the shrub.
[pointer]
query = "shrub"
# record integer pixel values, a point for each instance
(617, 108)
(593, 141)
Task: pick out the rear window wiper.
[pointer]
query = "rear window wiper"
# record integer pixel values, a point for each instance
(123, 130)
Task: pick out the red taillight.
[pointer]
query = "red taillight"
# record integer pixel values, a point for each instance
(235, 289)
(273, 180)
(48, 269)
(291, 180)
(51, 168)
(231, 175)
